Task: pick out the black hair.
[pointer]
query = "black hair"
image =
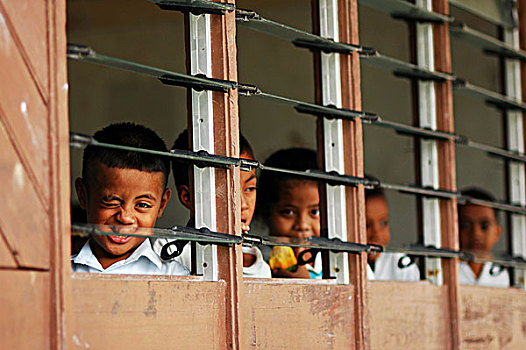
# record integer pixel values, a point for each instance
(132, 135)
(269, 185)
(477, 193)
(181, 169)
(374, 192)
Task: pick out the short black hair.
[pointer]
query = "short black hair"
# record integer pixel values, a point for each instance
(477, 193)
(181, 169)
(269, 185)
(132, 135)
(373, 192)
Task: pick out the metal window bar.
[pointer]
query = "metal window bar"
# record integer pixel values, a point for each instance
(203, 159)
(333, 142)
(486, 43)
(300, 38)
(87, 54)
(499, 12)
(429, 167)
(206, 237)
(202, 119)
(84, 53)
(402, 9)
(515, 142)
(195, 7)
(491, 97)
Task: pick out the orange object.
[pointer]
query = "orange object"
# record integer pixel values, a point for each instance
(282, 258)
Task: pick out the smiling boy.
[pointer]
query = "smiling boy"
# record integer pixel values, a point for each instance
(126, 189)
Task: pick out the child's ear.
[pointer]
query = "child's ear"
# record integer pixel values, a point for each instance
(164, 200)
(82, 195)
(185, 196)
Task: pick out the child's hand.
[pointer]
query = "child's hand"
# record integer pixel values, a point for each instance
(301, 272)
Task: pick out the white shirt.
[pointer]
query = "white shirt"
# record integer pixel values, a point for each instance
(386, 268)
(466, 276)
(259, 269)
(316, 270)
(143, 261)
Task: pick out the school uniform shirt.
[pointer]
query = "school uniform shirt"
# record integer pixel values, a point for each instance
(386, 268)
(316, 270)
(143, 261)
(500, 279)
(259, 269)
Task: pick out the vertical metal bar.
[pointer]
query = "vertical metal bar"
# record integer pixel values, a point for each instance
(427, 113)
(515, 142)
(333, 139)
(203, 139)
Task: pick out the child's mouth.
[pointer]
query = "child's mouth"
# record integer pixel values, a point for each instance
(119, 239)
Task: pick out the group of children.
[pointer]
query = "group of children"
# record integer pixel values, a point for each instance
(129, 189)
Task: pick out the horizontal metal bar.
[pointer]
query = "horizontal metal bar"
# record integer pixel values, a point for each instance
(421, 191)
(499, 12)
(490, 97)
(496, 151)
(300, 38)
(86, 54)
(200, 158)
(404, 69)
(402, 9)
(487, 43)
(518, 209)
(202, 235)
(320, 243)
(445, 136)
(416, 131)
(196, 7)
(328, 112)
(331, 178)
(429, 251)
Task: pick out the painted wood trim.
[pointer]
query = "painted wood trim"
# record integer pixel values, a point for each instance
(228, 200)
(447, 173)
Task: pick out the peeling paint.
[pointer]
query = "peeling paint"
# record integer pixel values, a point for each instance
(77, 342)
(115, 308)
(18, 176)
(151, 310)
(5, 38)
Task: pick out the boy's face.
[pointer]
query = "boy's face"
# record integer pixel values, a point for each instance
(125, 197)
(377, 221)
(297, 213)
(479, 229)
(248, 195)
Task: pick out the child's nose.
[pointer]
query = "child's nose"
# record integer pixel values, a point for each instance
(125, 217)
(244, 202)
(302, 223)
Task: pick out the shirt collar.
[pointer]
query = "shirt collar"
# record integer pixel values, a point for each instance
(86, 257)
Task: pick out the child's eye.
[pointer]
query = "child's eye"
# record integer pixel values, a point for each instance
(110, 204)
(286, 212)
(465, 226)
(250, 189)
(384, 223)
(143, 205)
(484, 225)
(315, 212)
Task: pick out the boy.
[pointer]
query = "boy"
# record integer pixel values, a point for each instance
(384, 265)
(127, 189)
(479, 231)
(253, 263)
